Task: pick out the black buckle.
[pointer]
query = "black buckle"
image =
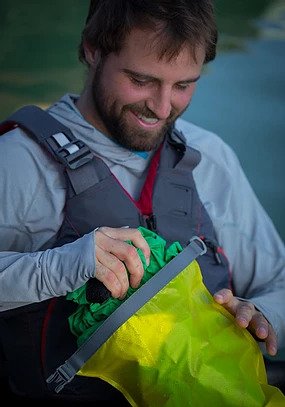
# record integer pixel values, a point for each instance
(72, 160)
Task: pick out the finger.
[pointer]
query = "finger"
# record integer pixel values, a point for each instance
(132, 260)
(226, 298)
(262, 330)
(271, 342)
(112, 273)
(223, 296)
(247, 316)
(244, 313)
(259, 326)
(124, 252)
(241, 310)
(118, 268)
(133, 235)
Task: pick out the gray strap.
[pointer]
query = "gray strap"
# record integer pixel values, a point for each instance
(66, 372)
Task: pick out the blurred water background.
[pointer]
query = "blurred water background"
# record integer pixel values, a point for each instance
(241, 95)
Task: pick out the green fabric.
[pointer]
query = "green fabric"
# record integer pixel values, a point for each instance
(89, 316)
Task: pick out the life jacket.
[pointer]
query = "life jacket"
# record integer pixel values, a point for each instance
(169, 205)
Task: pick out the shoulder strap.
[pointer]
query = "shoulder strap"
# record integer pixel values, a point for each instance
(50, 133)
(66, 372)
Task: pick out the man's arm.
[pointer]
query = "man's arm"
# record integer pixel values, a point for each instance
(32, 277)
(250, 241)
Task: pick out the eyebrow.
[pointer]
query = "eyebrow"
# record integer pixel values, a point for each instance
(154, 78)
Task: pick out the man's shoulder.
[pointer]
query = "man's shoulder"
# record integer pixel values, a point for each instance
(195, 134)
(211, 146)
(16, 140)
(19, 141)
(24, 156)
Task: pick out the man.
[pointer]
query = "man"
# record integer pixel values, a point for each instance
(144, 59)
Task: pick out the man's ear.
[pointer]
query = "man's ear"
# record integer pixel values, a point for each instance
(92, 55)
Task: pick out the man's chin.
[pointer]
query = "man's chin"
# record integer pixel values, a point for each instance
(150, 146)
(137, 139)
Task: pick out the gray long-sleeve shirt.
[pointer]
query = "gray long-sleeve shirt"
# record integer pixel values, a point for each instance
(32, 193)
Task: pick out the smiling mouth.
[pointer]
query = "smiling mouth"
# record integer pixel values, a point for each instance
(146, 119)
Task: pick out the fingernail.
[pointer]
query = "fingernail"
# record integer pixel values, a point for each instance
(124, 227)
(262, 332)
(242, 321)
(273, 350)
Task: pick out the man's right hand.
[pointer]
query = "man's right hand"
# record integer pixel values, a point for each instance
(114, 257)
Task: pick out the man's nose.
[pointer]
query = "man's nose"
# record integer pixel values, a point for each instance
(160, 103)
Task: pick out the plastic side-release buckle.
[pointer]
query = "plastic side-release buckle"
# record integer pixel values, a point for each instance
(72, 153)
(63, 375)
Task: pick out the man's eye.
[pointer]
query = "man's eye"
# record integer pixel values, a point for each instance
(182, 86)
(139, 82)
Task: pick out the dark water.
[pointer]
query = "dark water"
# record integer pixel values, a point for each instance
(240, 96)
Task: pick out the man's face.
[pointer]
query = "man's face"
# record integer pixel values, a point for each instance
(136, 96)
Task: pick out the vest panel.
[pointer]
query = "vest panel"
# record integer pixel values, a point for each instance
(177, 212)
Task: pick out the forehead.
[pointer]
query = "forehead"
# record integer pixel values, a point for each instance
(143, 47)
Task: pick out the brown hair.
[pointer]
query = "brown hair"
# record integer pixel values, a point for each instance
(176, 22)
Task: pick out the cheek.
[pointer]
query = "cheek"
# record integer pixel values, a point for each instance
(182, 99)
(124, 92)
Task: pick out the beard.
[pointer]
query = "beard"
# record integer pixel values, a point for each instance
(117, 125)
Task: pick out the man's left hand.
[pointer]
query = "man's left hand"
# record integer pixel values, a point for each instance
(247, 316)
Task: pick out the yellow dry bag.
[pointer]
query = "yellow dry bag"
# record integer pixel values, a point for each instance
(181, 348)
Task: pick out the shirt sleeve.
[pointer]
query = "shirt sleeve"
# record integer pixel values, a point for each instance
(42, 275)
(255, 251)
(32, 193)
(247, 234)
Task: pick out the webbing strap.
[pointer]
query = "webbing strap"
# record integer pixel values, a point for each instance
(66, 372)
(37, 121)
